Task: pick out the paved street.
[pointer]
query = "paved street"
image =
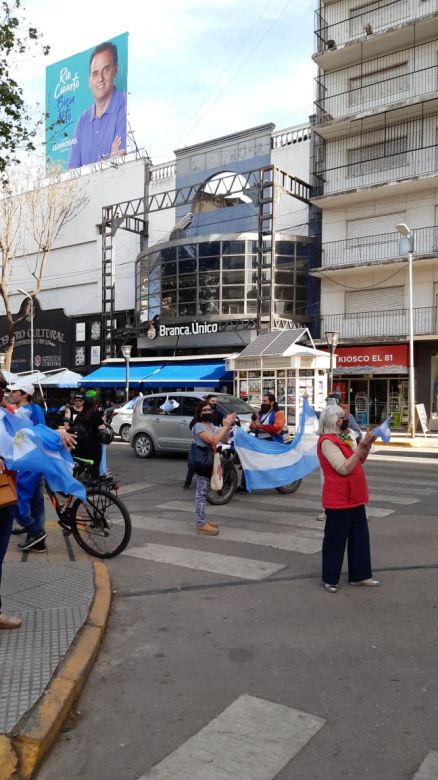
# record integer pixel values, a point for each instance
(225, 652)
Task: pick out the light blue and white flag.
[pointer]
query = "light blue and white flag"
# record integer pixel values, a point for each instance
(383, 431)
(269, 464)
(32, 450)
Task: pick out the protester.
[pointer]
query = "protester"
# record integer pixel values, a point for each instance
(270, 421)
(6, 521)
(344, 495)
(29, 485)
(205, 435)
(71, 411)
(217, 419)
(86, 428)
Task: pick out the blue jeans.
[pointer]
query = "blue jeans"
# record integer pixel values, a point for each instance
(6, 519)
(34, 522)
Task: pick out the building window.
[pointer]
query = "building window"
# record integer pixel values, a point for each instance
(382, 155)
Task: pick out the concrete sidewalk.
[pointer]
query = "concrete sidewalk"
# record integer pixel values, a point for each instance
(63, 598)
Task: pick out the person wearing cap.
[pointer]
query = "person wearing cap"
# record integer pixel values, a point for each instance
(30, 485)
(72, 410)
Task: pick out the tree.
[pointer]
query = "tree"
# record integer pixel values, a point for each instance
(33, 211)
(18, 127)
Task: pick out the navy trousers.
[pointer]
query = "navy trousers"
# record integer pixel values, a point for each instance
(346, 527)
(6, 521)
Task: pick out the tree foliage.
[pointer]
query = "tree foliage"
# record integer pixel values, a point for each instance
(17, 125)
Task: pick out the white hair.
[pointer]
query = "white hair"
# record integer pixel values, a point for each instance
(328, 419)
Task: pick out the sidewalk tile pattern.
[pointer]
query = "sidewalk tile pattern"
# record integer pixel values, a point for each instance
(53, 601)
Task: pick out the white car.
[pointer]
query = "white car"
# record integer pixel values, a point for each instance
(121, 419)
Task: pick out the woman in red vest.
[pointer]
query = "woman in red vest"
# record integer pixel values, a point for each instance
(344, 495)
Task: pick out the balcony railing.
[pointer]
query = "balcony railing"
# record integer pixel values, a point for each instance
(373, 94)
(381, 324)
(391, 152)
(374, 249)
(335, 28)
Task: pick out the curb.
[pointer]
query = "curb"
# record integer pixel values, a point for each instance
(37, 731)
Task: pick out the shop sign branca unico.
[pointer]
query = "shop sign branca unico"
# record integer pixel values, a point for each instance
(191, 329)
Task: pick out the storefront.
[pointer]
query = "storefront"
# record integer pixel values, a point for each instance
(276, 362)
(373, 381)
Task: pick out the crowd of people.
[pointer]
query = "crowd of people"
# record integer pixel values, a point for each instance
(80, 424)
(342, 449)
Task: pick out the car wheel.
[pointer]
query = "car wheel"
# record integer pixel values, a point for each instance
(143, 446)
(124, 432)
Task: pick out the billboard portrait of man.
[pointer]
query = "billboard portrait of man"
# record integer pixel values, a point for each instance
(100, 132)
(86, 114)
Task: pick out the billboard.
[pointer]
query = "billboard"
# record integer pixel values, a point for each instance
(86, 119)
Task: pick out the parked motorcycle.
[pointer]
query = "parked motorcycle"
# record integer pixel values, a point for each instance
(230, 469)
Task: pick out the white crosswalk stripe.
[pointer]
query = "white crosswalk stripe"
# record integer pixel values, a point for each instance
(231, 565)
(253, 739)
(429, 768)
(299, 541)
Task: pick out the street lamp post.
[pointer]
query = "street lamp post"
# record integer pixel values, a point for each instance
(407, 248)
(126, 352)
(332, 337)
(29, 297)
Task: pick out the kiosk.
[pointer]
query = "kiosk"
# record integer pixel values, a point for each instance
(279, 362)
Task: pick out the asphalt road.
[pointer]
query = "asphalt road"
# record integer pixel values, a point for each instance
(190, 645)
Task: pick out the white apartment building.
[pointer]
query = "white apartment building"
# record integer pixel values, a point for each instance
(375, 166)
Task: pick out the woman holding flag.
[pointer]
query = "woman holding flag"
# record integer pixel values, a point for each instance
(344, 495)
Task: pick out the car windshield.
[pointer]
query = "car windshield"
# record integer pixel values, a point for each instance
(232, 404)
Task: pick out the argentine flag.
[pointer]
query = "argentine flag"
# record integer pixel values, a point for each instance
(36, 449)
(269, 464)
(383, 431)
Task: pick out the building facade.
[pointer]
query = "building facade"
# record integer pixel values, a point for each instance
(375, 166)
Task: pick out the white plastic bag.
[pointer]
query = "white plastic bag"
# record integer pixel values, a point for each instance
(216, 481)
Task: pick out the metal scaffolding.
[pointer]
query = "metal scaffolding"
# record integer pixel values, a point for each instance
(261, 185)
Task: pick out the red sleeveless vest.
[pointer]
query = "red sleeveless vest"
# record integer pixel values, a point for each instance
(341, 491)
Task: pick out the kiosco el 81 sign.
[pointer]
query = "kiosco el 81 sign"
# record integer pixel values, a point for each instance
(86, 105)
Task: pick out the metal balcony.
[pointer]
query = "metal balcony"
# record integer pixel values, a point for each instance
(380, 248)
(369, 94)
(382, 325)
(335, 28)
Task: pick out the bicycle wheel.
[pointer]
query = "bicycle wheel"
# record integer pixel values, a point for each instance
(101, 525)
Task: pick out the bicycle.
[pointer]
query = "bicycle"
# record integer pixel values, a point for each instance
(101, 524)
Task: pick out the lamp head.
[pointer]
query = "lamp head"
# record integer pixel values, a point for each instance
(332, 337)
(404, 230)
(126, 351)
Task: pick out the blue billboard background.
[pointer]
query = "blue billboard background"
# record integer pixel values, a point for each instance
(68, 95)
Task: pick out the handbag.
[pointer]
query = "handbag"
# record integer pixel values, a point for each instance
(217, 481)
(8, 491)
(200, 460)
(105, 435)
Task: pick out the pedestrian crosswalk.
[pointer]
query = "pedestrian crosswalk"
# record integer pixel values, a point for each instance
(249, 524)
(252, 739)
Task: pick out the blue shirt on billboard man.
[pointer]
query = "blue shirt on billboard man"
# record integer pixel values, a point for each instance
(100, 132)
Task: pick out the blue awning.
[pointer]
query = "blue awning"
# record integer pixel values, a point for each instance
(206, 374)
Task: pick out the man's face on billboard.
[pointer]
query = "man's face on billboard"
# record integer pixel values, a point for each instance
(102, 75)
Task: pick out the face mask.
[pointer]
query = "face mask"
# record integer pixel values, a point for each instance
(265, 408)
(207, 416)
(344, 424)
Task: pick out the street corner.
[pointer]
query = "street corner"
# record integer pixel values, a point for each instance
(38, 727)
(8, 758)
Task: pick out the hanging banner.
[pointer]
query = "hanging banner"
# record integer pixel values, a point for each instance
(86, 119)
(386, 359)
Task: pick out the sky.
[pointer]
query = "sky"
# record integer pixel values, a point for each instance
(198, 69)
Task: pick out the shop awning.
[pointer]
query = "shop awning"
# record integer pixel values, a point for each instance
(160, 375)
(115, 376)
(181, 374)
